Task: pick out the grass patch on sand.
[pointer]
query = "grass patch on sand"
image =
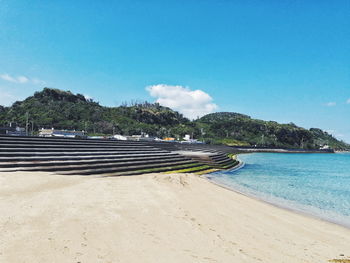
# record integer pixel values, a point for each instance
(154, 170)
(182, 166)
(232, 156)
(190, 170)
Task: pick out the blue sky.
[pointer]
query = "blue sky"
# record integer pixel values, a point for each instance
(287, 61)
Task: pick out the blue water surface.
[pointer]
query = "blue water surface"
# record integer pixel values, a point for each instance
(316, 184)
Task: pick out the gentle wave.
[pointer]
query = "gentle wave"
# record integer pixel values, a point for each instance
(315, 184)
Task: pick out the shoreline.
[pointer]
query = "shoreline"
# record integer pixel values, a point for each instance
(153, 218)
(276, 205)
(290, 208)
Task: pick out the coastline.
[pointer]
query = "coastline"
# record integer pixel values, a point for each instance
(153, 217)
(279, 206)
(293, 206)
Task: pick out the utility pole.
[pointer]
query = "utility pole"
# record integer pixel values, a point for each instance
(27, 120)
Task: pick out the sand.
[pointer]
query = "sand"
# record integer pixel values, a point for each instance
(152, 218)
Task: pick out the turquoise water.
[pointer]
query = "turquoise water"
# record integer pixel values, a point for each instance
(316, 184)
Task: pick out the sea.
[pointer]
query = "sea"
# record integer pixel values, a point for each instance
(314, 184)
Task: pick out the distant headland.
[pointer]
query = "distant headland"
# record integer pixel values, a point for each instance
(54, 108)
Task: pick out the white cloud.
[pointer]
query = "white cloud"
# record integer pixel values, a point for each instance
(348, 101)
(7, 78)
(191, 103)
(21, 79)
(331, 104)
(6, 98)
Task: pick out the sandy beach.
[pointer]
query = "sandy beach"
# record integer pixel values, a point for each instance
(152, 218)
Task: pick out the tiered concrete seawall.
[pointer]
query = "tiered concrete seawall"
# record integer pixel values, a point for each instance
(86, 157)
(108, 157)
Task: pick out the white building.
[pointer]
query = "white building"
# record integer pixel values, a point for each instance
(119, 137)
(61, 133)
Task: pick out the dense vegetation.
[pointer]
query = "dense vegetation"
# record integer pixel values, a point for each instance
(65, 110)
(238, 129)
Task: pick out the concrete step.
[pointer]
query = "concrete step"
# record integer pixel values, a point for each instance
(9, 145)
(94, 166)
(127, 168)
(94, 143)
(216, 161)
(221, 158)
(46, 149)
(67, 141)
(29, 153)
(211, 162)
(225, 162)
(231, 165)
(84, 157)
(64, 140)
(11, 163)
(218, 155)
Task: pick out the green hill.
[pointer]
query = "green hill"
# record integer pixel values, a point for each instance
(238, 129)
(65, 110)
